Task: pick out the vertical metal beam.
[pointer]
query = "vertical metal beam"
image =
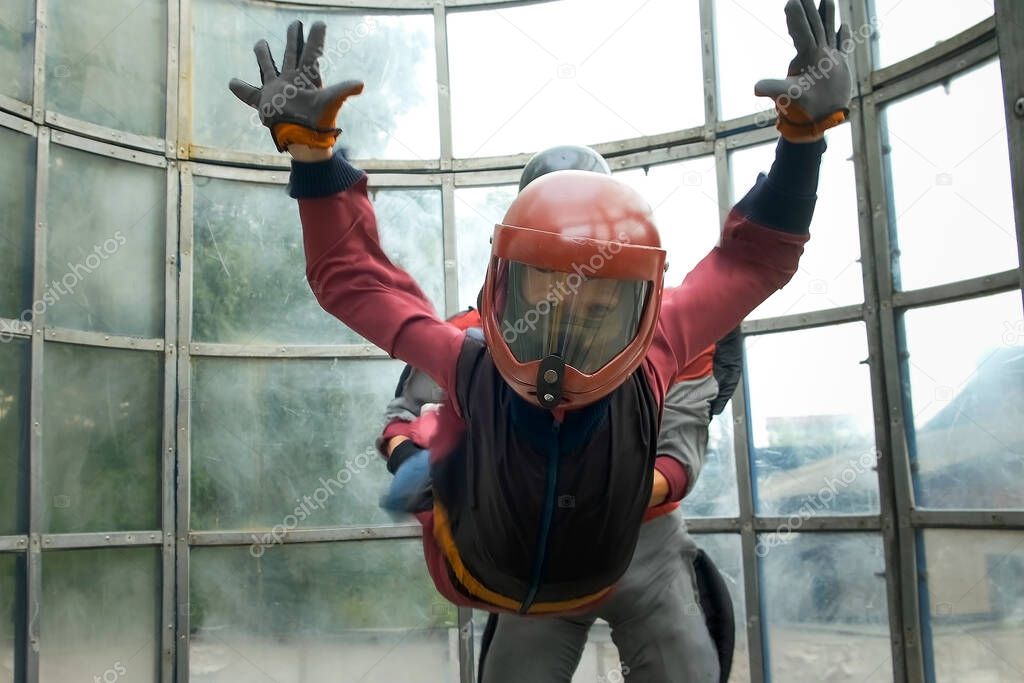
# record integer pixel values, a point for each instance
(184, 387)
(167, 487)
(39, 67)
(444, 98)
(183, 130)
(873, 140)
(33, 559)
(709, 58)
(467, 656)
(171, 115)
(450, 245)
(1010, 35)
(859, 14)
(748, 537)
(879, 399)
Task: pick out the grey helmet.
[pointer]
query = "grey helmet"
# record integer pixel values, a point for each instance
(562, 158)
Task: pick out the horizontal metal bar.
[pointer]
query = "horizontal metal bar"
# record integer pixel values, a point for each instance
(968, 519)
(712, 525)
(799, 321)
(106, 149)
(268, 537)
(757, 121)
(17, 123)
(17, 328)
(13, 543)
(507, 176)
(249, 175)
(283, 161)
(943, 51)
(935, 74)
(100, 540)
(750, 138)
(94, 130)
(287, 351)
(653, 157)
(114, 341)
(15, 106)
(798, 523)
(655, 144)
(956, 291)
(380, 180)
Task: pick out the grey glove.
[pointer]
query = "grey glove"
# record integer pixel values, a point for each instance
(292, 102)
(816, 95)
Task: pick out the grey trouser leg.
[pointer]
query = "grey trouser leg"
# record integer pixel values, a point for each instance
(656, 622)
(536, 649)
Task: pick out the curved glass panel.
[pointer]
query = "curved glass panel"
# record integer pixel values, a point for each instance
(105, 249)
(829, 274)
(363, 611)
(17, 49)
(14, 419)
(811, 421)
(714, 494)
(974, 603)
(684, 197)
(17, 209)
(525, 78)
(966, 371)
(106, 63)
(951, 188)
(724, 551)
(12, 592)
(825, 609)
(100, 615)
(477, 210)
(102, 414)
(249, 280)
(396, 117)
(299, 432)
(907, 27)
(740, 26)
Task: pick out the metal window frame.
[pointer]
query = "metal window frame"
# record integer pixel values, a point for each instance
(899, 520)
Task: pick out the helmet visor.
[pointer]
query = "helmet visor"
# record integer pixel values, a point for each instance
(586, 321)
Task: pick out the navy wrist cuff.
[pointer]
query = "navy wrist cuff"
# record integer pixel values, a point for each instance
(322, 178)
(784, 199)
(400, 454)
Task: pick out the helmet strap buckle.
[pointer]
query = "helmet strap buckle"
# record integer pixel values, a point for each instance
(550, 375)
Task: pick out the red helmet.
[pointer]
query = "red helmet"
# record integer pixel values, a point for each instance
(573, 288)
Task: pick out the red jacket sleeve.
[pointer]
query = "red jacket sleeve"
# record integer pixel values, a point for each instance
(760, 248)
(355, 281)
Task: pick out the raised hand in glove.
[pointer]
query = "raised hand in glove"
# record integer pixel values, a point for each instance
(816, 95)
(292, 103)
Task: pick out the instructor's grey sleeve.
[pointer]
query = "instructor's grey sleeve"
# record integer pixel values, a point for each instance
(684, 424)
(416, 391)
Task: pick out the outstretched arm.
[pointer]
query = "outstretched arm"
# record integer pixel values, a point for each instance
(765, 232)
(347, 270)
(355, 281)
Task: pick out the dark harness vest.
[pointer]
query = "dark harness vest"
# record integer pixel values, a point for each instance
(541, 512)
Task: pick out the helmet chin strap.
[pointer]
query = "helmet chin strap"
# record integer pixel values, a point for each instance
(550, 374)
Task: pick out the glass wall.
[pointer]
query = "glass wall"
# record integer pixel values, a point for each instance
(190, 481)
